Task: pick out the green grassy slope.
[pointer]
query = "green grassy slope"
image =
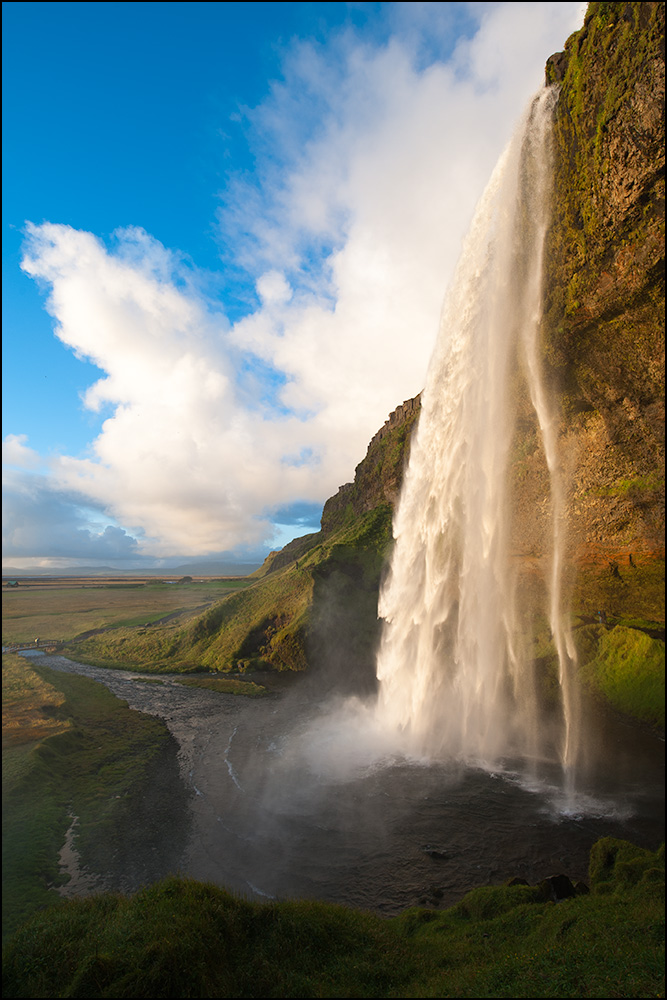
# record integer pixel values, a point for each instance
(181, 938)
(281, 622)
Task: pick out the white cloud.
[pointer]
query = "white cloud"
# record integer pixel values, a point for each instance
(273, 289)
(16, 453)
(350, 233)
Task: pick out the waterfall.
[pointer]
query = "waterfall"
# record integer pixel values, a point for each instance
(455, 666)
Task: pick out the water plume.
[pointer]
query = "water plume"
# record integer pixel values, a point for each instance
(454, 665)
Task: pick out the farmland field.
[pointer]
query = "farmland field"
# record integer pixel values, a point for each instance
(62, 609)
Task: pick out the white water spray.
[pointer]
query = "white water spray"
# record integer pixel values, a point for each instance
(454, 675)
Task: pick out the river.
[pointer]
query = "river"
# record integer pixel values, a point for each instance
(286, 796)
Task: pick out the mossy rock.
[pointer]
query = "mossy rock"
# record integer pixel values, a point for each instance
(615, 864)
(628, 667)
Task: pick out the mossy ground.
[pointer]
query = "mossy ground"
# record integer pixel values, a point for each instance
(181, 938)
(88, 754)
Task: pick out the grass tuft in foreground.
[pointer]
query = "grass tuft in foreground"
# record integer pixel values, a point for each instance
(181, 938)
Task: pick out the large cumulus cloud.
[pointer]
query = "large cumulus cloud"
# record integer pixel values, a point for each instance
(370, 160)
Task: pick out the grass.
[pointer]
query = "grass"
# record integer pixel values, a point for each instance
(29, 705)
(64, 612)
(70, 747)
(215, 638)
(181, 938)
(226, 685)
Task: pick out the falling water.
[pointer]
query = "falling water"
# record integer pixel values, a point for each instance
(456, 676)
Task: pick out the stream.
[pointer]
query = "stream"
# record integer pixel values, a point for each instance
(287, 797)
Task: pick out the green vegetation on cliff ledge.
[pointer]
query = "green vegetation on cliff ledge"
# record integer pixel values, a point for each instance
(181, 938)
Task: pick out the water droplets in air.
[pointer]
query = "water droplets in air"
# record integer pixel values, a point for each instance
(456, 676)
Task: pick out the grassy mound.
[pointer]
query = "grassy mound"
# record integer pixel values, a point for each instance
(181, 938)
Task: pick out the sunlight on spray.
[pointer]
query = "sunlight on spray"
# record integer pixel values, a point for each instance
(455, 677)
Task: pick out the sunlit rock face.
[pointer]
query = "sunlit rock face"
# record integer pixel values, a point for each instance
(604, 292)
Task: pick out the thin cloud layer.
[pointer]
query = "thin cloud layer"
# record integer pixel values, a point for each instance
(371, 159)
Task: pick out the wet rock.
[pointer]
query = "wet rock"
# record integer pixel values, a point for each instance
(435, 854)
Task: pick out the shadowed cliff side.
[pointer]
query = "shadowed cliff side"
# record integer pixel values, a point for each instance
(333, 629)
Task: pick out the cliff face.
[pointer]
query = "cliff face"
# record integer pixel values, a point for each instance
(603, 337)
(604, 296)
(603, 325)
(378, 478)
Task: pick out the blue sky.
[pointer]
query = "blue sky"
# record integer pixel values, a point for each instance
(228, 229)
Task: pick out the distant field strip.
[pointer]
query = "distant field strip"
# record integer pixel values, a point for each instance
(31, 613)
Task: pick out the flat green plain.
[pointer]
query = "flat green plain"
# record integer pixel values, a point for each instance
(62, 610)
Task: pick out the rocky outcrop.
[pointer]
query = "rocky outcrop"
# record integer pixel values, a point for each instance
(378, 478)
(377, 483)
(404, 413)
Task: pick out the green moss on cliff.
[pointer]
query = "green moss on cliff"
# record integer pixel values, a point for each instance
(378, 477)
(628, 668)
(603, 319)
(282, 622)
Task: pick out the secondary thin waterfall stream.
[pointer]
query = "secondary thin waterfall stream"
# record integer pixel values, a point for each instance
(456, 677)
